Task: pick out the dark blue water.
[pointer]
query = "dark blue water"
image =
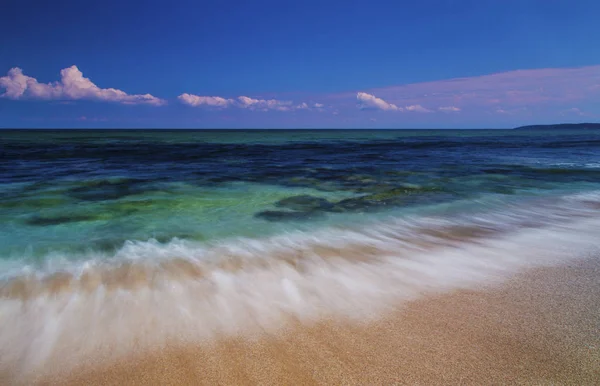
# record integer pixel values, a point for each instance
(79, 190)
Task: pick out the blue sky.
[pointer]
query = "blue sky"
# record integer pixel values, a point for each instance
(299, 64)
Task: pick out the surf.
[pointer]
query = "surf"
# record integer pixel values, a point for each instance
(148, 294)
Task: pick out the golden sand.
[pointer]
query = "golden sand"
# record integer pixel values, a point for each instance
(542, 327)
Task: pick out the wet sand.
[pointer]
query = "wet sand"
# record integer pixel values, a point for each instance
(540, 327)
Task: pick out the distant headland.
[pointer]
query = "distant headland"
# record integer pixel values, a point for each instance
(562, 126)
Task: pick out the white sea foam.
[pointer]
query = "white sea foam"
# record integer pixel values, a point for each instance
(247, 286)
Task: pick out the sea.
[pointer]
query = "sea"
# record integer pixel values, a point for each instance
(112, 241)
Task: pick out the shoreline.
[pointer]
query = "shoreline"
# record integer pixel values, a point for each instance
(538, 327)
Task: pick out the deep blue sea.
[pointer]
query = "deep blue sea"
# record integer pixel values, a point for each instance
(215, 231)
(72, 191)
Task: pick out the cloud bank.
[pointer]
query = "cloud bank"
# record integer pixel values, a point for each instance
(537, 88)
(513, 96)
(244, 102)
(71, 86)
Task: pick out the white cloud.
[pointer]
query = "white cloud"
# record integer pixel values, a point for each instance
(264, 104)
(212, 101)
(418, 109)
(244, 102)
(310, 106)
(449, 109)
(371, 101)
(72, 86)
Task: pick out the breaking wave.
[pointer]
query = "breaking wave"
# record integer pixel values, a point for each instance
(148, 293)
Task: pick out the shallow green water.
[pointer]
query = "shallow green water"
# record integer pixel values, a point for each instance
(69, 192)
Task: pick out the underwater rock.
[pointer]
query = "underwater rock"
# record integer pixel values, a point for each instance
(397, 196)
(501, 171)
(130, 207)
(356, 204)
(374, 188)
(325, 185)
(105, 190)
(279, 215)
(306, 182)
(107, 244)
(401, 191)
(304, 203)
(57, 220)
(33, 202)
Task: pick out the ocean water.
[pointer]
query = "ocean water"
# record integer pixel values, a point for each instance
(114, 241)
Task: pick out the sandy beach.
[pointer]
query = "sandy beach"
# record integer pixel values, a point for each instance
(299, 193)
(300, 257)
(539, 327)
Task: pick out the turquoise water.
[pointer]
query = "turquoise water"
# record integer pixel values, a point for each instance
(74, 191)
(112, 241)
